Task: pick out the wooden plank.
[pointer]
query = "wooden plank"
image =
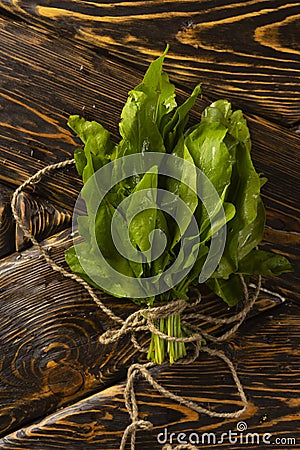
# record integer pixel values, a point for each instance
(40, 217)
(50, 355)
(263, 352)
(247, 51)
(7, 228)
(275, 152)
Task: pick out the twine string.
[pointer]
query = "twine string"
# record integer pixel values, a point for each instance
(180, 447)
(145, 320)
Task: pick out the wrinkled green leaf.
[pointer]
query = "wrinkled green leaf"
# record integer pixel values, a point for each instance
(174, 129)
(97, 148)
(140, 133)
(159, 91)
(211, 156)
(230, 290)
(74, 264)
(260, 262)
(144, 222)
(185, 189)
(159, 264)
(146, 108)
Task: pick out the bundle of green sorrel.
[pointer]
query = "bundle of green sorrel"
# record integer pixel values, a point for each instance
(219, 146)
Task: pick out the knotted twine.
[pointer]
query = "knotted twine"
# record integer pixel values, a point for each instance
(145, 320)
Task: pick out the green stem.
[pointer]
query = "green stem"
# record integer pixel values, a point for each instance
(159, 348)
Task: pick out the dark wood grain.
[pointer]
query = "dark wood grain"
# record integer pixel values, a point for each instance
(288, 284)
(264, 355)
(40, 217)
(248, 49)
(7, 228)
(50, 355)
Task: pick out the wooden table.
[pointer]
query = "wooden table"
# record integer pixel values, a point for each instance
(59, 388)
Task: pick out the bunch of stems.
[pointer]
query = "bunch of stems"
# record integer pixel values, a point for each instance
(160, 347)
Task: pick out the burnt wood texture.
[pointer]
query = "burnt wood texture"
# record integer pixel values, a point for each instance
(73, 57)
(51, 354)
(98, 421)
(248, 50)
